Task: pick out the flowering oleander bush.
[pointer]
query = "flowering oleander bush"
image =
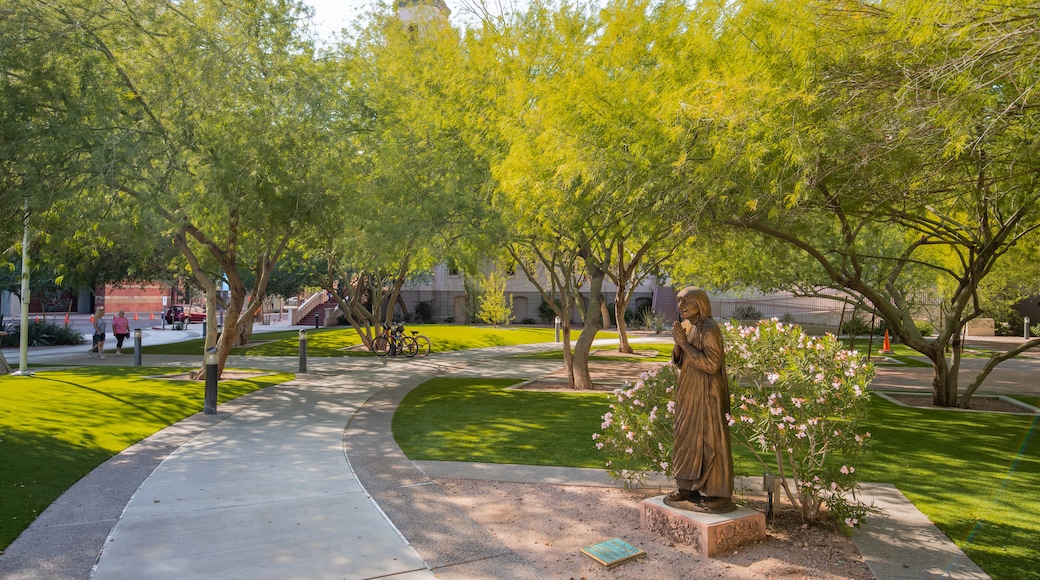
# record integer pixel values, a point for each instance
(637, 432)
(797, 404)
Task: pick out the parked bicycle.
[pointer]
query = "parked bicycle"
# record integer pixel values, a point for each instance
(394, 342)
(422, 343)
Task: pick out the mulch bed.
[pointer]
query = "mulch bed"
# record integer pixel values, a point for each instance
(978, 403)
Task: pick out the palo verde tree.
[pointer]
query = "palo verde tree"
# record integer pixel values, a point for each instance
(616, 112)
(409, 184)
(53, 114)
(224, 118)
(904, 153)
(553, 212)
(571, 118)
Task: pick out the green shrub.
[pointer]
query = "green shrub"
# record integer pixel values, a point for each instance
(637, 435)
(854, 327)
(546, 312)
(42, 334)
(924, 327)
(424, 311)
(747, 312)
(67, 335)
(651, 320)
(798, 404)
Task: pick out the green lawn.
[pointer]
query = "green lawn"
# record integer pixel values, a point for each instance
(479, 420)
(975, 475)
(56, 426)
(333, 341)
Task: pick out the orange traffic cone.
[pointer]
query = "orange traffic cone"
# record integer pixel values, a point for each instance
(151, 316)
(92, 318)
(135, 316)
(66, 319)
(886, 347)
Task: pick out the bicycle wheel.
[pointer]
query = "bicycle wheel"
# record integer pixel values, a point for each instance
(408, 346)
(424, 345)
(381, 346)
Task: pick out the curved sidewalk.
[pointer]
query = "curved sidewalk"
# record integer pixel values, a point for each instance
(304, 480)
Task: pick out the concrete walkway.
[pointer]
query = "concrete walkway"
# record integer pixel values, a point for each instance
(304, 480)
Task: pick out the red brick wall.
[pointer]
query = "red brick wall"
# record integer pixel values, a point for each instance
(142, 299)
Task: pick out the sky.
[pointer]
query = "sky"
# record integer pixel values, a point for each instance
(332, 15)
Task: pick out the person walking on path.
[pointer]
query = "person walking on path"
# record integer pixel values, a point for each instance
(121, 330)
(100, 326)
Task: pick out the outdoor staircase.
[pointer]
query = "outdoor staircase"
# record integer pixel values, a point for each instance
(319, 310)
(665, 303)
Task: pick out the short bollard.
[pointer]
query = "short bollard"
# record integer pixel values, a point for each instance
(557, 329)
(137, 347)
(303, 350)
(209, 405)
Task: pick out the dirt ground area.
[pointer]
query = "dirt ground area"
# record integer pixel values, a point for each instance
(549, 524)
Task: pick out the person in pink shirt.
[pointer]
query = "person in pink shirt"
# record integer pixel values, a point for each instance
(121, 330)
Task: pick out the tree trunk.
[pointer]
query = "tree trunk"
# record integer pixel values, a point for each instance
(620, 307)
(593, 324)
(568, 355)
(944, 382)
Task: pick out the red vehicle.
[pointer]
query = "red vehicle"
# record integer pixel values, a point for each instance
(186, 313)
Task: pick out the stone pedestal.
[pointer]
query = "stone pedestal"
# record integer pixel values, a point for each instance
(709, 534)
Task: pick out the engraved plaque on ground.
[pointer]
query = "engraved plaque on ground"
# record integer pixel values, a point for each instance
(612, 552)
